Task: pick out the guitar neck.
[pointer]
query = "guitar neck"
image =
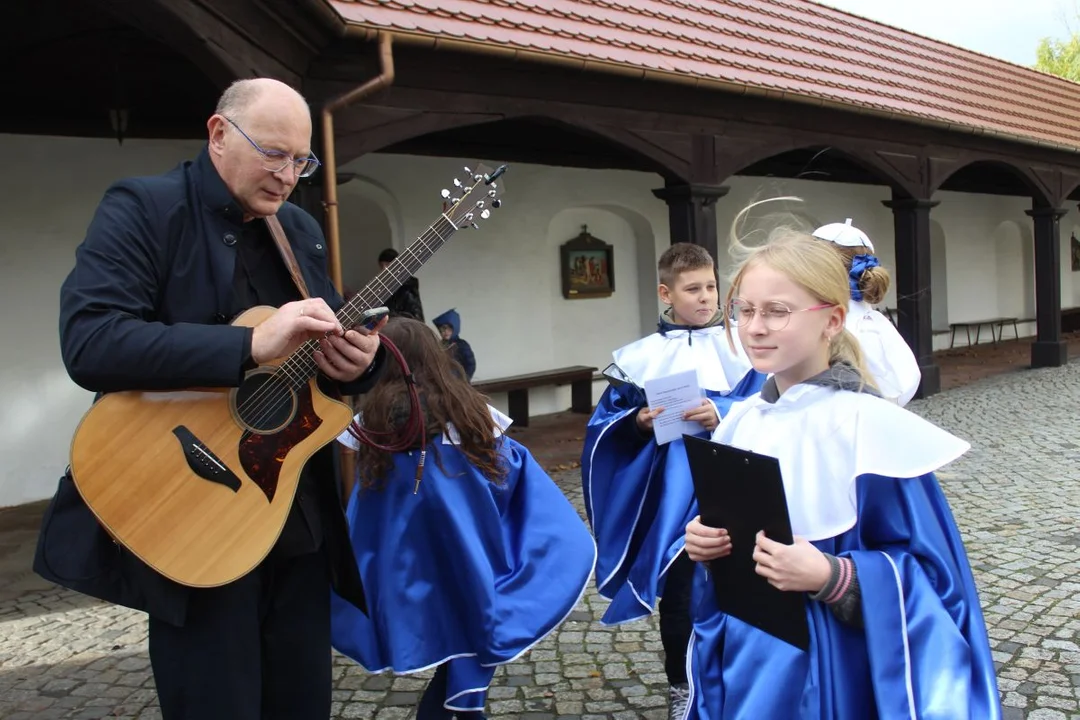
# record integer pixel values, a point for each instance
(300, 366)
(398, 272)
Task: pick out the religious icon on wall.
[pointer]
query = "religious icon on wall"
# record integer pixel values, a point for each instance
(1074, 250)
(587, 267)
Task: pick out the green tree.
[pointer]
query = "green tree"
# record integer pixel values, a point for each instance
(1060, 57)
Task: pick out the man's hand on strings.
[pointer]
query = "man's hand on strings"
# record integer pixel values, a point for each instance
(290, 326)
(348, 357)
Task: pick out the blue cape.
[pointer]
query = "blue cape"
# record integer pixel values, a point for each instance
(923, 653)
(465, 570)
(639, 496)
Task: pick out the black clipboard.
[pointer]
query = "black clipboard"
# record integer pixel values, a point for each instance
(616, 377)
(743, 492)
(622, 382)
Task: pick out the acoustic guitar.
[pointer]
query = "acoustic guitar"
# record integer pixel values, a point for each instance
(198, 483)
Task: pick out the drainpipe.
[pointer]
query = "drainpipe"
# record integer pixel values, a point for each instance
(384, 79)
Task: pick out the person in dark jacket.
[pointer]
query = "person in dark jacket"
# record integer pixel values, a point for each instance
(449, 326)
(406, 299)
(167, 261)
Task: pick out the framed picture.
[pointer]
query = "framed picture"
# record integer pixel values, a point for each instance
(1074, 250)
(587, 270)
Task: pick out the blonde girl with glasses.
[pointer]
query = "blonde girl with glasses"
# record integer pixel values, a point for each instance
(896, 630)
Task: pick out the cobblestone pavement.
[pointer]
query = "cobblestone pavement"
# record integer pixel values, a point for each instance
(1016, 496)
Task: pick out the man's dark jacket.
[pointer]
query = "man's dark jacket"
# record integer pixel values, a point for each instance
(147, 307)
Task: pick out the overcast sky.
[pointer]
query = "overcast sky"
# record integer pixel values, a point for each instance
(1008, 29)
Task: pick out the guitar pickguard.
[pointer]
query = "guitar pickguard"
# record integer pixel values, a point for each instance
(262, 456)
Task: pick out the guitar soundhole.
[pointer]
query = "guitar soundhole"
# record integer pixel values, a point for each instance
(264, 403)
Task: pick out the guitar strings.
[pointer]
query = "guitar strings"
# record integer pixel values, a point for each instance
(301, 361)
(278, 390)
(299, 367)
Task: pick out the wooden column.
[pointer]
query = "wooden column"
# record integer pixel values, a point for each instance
(692, 213)
(911, 225)
(1048, 350)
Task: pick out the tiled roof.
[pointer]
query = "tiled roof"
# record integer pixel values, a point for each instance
(794, 49)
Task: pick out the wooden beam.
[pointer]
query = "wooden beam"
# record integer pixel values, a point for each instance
(911, 225)
(159, 22)
(213, 41)
(259, 28)
(516, 154)
(313, 22)
(460, 82)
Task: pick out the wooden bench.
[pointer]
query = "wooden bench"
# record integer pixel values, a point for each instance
(999, 323)
(578, 377)
(1070, 319)
(1014, 322)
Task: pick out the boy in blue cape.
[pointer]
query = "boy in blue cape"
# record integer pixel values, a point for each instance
(639, 495)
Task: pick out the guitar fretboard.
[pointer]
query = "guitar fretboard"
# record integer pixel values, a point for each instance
(300, 366)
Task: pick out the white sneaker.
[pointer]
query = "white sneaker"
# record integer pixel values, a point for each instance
(678, 701)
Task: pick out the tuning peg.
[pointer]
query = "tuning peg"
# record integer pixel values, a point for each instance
(467, 170)
(496, 203)
(468, 217)
(485, 213)
(445, 193)
(491, 193)
(479, 203)
(457, 183)
(474, 226)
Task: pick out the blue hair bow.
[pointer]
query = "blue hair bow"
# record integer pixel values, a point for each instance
(859, 265)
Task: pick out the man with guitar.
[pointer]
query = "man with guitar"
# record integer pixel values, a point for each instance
(167, 261)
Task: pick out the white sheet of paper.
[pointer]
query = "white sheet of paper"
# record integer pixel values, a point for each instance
(675, 393)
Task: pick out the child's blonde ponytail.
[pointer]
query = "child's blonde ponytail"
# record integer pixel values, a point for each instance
(845, 348)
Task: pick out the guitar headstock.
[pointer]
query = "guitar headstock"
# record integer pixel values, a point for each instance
(476, 192)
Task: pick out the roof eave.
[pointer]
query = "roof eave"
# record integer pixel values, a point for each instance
(435, 42)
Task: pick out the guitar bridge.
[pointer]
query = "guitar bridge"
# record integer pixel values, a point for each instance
(203, 462)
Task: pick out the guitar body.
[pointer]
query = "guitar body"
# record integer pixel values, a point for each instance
(198, 483)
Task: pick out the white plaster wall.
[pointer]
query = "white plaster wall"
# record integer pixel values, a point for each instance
(987, 254)
(821, 203)
(939, 286)
(1070, 281)
(978, 227)
(46, 207)
(503, 278)
(370, 219)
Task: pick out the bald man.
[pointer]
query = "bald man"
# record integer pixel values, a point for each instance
(166, 263)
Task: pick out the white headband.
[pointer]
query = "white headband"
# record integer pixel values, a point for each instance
(844, 234)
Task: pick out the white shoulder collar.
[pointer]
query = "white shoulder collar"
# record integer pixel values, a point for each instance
(451, 436)
(826, 438)
(706, 350)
